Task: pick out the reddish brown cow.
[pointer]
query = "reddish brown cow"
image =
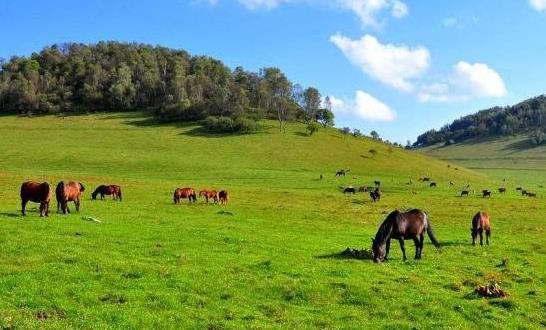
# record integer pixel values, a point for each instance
(183, 193)
(37, 193)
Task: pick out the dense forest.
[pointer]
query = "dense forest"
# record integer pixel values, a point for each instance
(114, 76)
(528, 117)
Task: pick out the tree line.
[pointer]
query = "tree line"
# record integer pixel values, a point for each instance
(115, 76)
(527, 117)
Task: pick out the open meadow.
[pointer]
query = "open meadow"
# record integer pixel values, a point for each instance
(271, 257)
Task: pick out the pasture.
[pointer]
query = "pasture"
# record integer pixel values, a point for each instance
(268, 259)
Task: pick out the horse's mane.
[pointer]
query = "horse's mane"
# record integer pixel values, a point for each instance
(385, 229)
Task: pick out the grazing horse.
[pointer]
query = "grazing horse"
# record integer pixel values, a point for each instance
(401, 226)
(37, 193)
(341, 172)
(523, 192)
(209, 194)
(486, 193)
(530, 194)
(433, 184)
(519, 188)
(377, 183)
(68, 192)
(223, 196)
(502, 190)
(349, 190)
(464, 193)
(451, 183)
(424, 178)
(481, 222)
(375, 195)
(102, 190)
(182, 193)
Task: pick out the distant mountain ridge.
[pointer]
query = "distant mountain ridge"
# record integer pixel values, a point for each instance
(527, 117)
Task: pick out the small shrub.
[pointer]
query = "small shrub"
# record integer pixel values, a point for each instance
(312, 128)
(245, 125)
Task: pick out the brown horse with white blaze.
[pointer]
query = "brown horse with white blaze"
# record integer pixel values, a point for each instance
(402, 226)
(38, 193)
(68, 192)
(183, 193)
(103, 190)
(480, 223)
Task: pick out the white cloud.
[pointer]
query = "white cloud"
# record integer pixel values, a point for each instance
(392, 65)
(367, 10)
(268, 4)
(364, 107)
(538, 5)
(465, 81)
(450, 21)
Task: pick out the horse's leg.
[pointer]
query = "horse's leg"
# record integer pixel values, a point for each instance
(401, 240)
(421, 244)
(387, 249)
(77, 203)
(42, 208)
(23, 205)
(487, 234)
(416, 243)
(481, 236)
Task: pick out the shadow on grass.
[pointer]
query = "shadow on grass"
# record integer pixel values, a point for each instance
(301, 134)
(521, 145)
(12, 214)
(339, 256)
(454, 243)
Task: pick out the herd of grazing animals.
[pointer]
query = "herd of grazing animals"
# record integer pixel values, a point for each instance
(72, 191)
(412, 224)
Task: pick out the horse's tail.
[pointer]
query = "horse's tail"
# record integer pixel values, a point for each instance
(431, 235)
(82, 187)
(119, 194)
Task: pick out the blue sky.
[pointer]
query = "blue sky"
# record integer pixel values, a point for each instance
(397, 66)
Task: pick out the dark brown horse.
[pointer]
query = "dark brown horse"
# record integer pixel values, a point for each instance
(182, 193)
(464, 193)
(349, 190)
(433, 184)
(37, 193)
(375, 195)
(481, 222)
(209, 194)
(502, 190)
(402, 226)
(68, 192)
(102, 190)
(486, 193)
(223, 196)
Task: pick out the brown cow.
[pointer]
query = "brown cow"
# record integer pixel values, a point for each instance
(38, 193)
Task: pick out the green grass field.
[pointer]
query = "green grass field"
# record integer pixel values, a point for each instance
(270, 258)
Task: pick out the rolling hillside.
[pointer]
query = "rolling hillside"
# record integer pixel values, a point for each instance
(271, 257)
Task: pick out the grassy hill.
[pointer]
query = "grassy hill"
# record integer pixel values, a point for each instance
(513, 158)
(270, 258)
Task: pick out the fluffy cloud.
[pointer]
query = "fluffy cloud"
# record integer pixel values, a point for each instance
(367, 10)
(538, 5)
(390, 64)
(466, 81)
(364, 106)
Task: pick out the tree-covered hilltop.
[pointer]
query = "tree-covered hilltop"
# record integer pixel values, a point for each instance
(527, 117)
(114, 76)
